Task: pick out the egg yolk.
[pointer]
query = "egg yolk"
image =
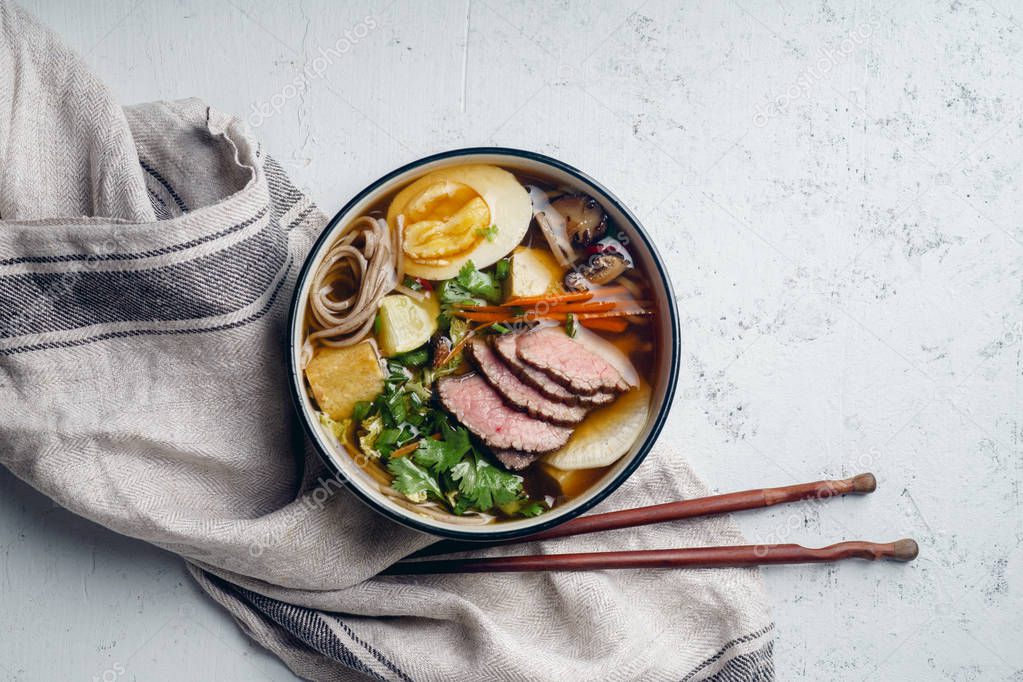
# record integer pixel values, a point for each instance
(445, 219)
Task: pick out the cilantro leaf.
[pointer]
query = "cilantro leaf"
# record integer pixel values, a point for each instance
(484, 486)
(412, 481)
(441, 455)
(489, 233)
(478, 283)
(532, 508)
(451, 292)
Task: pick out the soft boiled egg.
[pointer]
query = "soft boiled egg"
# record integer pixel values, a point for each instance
(473, 212)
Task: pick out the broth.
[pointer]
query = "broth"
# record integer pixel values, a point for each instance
(424, 445)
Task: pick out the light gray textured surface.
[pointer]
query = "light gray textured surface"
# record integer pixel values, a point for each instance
(835, 188)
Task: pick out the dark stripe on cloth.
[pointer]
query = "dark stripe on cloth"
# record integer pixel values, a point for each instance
(156, 332)
(306, 626)
(162, 251)
(283, 194)
(756, 666)
(211, 285)
(160, 209)
(728, 645)
(372, 650)
(166, 185)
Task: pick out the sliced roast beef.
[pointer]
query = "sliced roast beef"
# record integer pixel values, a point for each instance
(505, 347)
(571, 364)
(517, 393)
(516, 460)
(482, 410)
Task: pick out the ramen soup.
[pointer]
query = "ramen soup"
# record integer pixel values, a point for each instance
(481, 343)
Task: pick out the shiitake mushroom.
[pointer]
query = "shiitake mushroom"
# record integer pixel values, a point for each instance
(585, 220)
(599, 270)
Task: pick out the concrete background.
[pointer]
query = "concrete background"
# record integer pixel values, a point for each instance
(836, 187)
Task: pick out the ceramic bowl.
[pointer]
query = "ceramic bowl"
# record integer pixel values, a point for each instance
(664, 377)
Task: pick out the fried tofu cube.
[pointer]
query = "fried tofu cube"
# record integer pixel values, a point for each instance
(533, 272)
(341, 377)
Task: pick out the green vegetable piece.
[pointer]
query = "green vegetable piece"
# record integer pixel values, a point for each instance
(419, 391)
(451, 292)
(370, 431)
(413, 358)
(478, 283)
(501, 269)
(489, 233)
(532, 508)
(570, 327)
(338, 428)
(441, 455)
(412, 481)
(483, 485)
(361, 410)
(459, 328)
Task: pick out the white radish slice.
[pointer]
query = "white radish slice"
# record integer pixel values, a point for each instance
(610, 352)
(606, 434)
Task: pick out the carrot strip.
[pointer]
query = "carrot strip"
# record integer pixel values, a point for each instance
(551, 300)
(405, 449)
(587, 307)
(613, 290)
(607, 325)
(597, 316)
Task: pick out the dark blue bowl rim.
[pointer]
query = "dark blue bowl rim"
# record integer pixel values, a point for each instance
(296, 384)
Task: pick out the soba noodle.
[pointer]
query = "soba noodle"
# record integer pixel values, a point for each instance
(358, 270)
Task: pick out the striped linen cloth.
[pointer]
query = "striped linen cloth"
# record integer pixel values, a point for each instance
(147, 260)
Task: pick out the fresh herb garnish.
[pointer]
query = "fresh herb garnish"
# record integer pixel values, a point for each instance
(412, 481)
(489, 233)
(483, 485)
(533, 508)
(440, 455)
(469, 287)
(478, 283)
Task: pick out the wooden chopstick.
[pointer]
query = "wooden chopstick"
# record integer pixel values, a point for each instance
(673, 511)
(695, 557)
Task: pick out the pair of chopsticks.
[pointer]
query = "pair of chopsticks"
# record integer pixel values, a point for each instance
(694, 557)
